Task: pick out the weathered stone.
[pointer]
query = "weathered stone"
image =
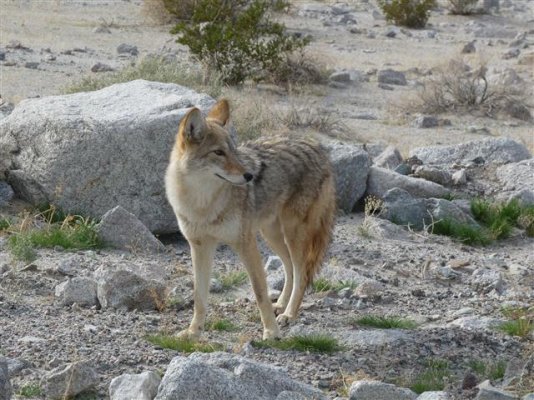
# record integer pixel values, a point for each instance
(65, 382)
(227, 376)
(381, 180)
(494, 150)
(486, 280)
(374, 390)
(517, 176)
(79, 290)
(47, 144)
(142, 386)
(341, 76)
(101, 67)
(390, 158)
(403, 209)
(425, 121)
(391, 77)
(475, 323)
(121, 229)
(488, 392)
(351, 167)
(469, 48)
(459, 177)
(126, 290)
(433, 174)
(124, 48)
(369, 289)
(6, 193)
(5, 384)
(434, 396)
(442, 209)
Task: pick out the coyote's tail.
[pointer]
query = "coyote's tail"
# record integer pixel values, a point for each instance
(319, 228)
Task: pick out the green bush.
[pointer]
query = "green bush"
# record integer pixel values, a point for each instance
(410, 13)
(237, 39)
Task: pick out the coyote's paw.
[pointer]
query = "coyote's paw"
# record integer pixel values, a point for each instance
(278, 308)
(271, 334)
(284, 319)
(188, 334)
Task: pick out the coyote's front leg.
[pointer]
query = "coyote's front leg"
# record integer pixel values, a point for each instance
(248, 251)
(202, 252)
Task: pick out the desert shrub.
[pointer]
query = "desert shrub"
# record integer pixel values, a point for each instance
(458, 87)
(167, 11)
(237, 39)
(410, 13)
(462, 7)
(297, 69)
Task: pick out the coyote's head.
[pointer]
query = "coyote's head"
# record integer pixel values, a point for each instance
(204, 147)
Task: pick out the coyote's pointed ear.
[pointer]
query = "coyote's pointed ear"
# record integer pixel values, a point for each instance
(220, 113)
(192, 126)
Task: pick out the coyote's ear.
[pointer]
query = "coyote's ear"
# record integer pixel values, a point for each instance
(220, 113)
(192, 126)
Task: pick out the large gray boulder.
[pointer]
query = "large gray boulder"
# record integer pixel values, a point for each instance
(381, 180)
(5, 384)
(351, 167)
(495, 150)
(88, 152)
(517, 176)
(227, 376)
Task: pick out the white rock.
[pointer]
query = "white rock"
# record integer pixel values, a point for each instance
(142, 386)
(69, 381)
(374, 390)
(79, 290)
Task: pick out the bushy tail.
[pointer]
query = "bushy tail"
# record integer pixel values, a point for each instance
(319, 228)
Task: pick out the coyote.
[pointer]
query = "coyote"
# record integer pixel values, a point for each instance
(283, 188)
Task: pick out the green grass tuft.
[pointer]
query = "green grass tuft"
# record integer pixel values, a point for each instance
(183, 345)
(432, 378)
(30, 390)
(466, 233)
(311, 343)
(384, 322)
(498, 218)
(4, 224)
(232, 279)
(521, 321)
(221, 325)
(485, 369)
(325, 285)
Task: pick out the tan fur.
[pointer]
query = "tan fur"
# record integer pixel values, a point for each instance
(222, 194)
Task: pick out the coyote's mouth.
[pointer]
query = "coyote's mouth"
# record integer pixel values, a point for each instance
(229, 181)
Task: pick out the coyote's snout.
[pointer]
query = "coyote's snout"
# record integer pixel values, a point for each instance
(282, 188)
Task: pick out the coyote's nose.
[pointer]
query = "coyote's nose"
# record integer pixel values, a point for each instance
(248, 176)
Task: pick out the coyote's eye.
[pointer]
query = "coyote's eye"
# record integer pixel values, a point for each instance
(219, 152)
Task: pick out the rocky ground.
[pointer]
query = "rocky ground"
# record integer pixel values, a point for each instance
(454, 292)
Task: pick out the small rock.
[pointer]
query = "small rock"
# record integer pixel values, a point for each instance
(101, 29)
(403, 169)
(342, 76)
(274, 263)
(142, 386)
(374, 390)
(425, 121)
(6, 193)
(459, 177)
(369, 289)
(470, 381)
(79, 290)
(391, 32)
(121, 229)
(101, 67)
(433, 174)
(512, 53)
(488, 392)
(2, 55)
(485, 280)
(390, 158)
(434, 396)
(127, 49)
(389, 76)
(469, 48)
(69, 381)
(31, 65)
(216, 286)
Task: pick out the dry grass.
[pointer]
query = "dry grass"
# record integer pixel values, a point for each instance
(463, 7)
(163, 12)
(457, 87)
(305, 117)
(298, 70)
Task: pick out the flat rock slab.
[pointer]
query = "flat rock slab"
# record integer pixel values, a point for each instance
(88, 152)
(495, 150)
(375, 390)
(142, 386)
(69, 381)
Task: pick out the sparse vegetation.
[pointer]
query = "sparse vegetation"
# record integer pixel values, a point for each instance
(433, 377)
(462, 7)
(521, 321)
(409, 13)
(458, 87)
(232, 279)
(156, 69)
(466, 233)
(310, 343)
(372, 208)
(72, 233)
(384, 322)
(326, 285)
(310, 118)
(183, 345)
(30, 390)
(221, 325)
(237, 39)
(4, 224)
(488, 369)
